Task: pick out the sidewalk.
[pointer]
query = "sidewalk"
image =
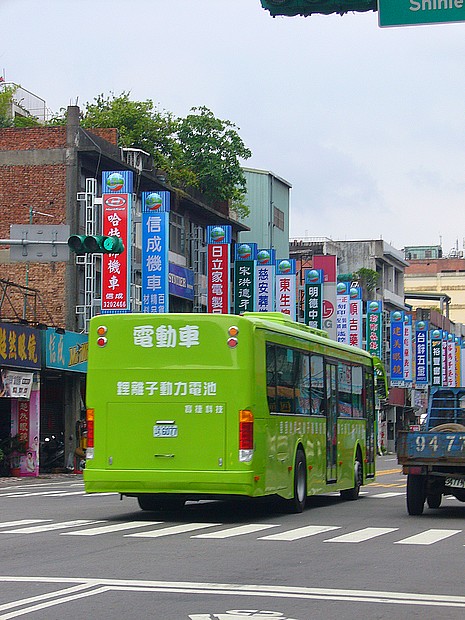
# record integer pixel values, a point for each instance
(19, 480)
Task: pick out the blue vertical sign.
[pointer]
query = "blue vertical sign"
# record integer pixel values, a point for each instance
(244, 277)
(155, 244)
(265, 280)
(436, 357)
(397, 346)
(421, 352)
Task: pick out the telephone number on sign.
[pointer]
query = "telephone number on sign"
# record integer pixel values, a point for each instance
(113, 304)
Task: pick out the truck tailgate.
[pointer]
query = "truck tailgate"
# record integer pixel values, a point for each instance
(430, 446)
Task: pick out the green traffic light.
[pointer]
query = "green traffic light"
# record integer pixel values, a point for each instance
(95, 244)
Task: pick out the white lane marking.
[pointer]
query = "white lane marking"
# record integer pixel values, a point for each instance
(48, 595)
(428, 537)
(362, 535)
(175, 529)
(227, 589)
(21, 522)
(106, 529)
(386, 495)
(236, 531)
(98, 494)
(301, 532)
(51, 526)
(64, 493)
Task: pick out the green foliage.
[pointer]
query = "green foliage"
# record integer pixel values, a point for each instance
(199, 151)
(26, 121)
(6, 95)
(368, 279)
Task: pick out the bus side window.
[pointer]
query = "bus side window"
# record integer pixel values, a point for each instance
(357, 389)
(285, 379)
(271, 376)
(344, 387)
(302, 384)
(317, 395)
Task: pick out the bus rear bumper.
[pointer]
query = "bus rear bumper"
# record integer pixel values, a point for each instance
(136, 482)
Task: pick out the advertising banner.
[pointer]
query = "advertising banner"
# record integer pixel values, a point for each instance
(328, 263)
(286, 293)
(68, 351)
(355, 316)
(374, 328)
(265, 280)
(245, 256)
(313, 298)
(342, 312)
(397, 347)
(25, 422)
(155, 246)
(116, 221)
(408, 371)
(15, 384)
(421, 352)
(218, 269)
(436, 357)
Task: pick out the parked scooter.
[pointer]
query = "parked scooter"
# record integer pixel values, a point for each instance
(52, 453)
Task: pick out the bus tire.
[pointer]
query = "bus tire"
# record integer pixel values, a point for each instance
(415, 494)
(151, 502)
(297, 503)
(353, 493)
(434, 501)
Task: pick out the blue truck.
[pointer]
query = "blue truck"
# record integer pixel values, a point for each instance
(433, 458)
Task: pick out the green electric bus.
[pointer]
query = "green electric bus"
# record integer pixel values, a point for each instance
(196, 406)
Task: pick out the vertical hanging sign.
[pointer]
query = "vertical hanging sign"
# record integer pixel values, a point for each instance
(313, 298)
(397, 347)
(436, 357)
(245, 257)
(458, 362)
(218, 269)
(286, 286)
(445, 375)
(421, 352)
(342, 312)
(328, 263)
(355, 316)
(451, 360)
(154, 258)
(265, 280)
(374, 328)
(408, 348)
(116, 221)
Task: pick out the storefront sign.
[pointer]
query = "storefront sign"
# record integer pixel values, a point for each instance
(181, 282)
(15, 384)
(66, 351)
(155, 244)
(19, 346)
(286, 292)
(218, 272)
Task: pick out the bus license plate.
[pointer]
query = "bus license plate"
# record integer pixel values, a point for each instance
(453, 482)
(165, 430)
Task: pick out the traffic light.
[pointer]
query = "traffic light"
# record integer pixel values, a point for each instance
(308, 7)
(95, 244)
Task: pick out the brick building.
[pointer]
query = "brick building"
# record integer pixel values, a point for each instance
(42, 171)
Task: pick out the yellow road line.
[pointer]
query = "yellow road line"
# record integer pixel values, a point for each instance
(388, 471)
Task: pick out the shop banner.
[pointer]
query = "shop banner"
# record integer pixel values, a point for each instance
(458, 362)
(421, 352)
(15, 384)
(245, 260)
(20, 346)
(265, 280)
(342, 312)
(436, 357)
(25, 423)
(355, 316)
(397, 347)
(218, 269)
(313, 298)
(154, 257)
(116, 221)
(451, 370)
(328, 263)
(181, 282)
(68, 351)
(408, 371)
(286, 283)
(374, 328)
(445, 369)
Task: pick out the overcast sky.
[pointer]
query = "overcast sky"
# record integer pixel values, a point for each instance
(367, 124)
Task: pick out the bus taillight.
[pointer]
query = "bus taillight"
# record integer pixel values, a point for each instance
(245, 435)
(90, 434)
(101, 331)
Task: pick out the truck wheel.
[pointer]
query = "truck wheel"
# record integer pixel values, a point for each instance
(415, 494)
(353, 493)
(297, 503)
(160, 502)
(434, 501)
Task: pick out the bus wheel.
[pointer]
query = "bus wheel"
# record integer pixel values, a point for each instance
(434, 501)
(297, 503)
(415, 494)
(159, 502)
(354, 492)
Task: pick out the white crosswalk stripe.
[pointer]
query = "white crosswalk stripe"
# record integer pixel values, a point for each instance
(429, 537)
(106, 529)
(386, 495)
(236, 531)
(22, 522)
(49, 527)
(301, 532)
(175, 529)
(362, 535)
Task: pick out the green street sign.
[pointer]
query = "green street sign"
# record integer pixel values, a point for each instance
(412, 12)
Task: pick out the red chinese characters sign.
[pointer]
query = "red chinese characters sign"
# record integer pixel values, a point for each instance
(115, 267)
(218, 278)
